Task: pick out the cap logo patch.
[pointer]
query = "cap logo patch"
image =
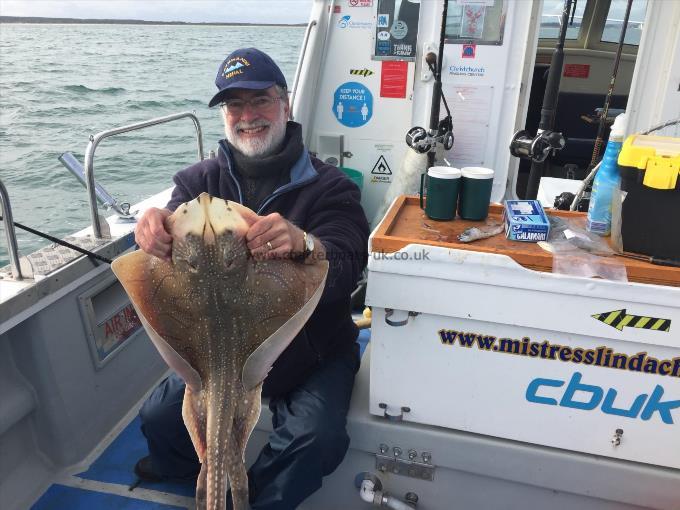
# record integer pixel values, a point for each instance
(234, 67)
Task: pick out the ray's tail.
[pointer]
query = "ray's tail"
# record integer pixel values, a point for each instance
(231, 415)
(246, 413)
(220, 417)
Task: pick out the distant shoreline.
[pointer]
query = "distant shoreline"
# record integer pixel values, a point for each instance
(76, 21)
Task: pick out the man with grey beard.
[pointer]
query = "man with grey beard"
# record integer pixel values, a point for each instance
(305, 208)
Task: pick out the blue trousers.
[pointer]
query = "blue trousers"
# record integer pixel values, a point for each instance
(308, 442)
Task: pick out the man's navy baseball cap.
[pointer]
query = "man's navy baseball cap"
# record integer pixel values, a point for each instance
(246, 68)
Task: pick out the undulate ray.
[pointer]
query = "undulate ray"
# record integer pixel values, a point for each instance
(220, 319)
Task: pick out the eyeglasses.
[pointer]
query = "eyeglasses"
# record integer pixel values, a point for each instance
(257, 104)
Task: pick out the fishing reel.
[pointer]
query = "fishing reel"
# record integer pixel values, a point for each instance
(537, 148)
(422, 141)
(418, 139)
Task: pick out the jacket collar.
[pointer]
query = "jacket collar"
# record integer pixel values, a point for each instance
(301, 173)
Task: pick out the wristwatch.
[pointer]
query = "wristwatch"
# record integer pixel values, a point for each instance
(308, 241)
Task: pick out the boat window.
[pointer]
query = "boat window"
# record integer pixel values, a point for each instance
(551, 16)
(481, 22)
(613, 25)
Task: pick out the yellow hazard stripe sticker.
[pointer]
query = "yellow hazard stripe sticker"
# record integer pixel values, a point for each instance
(620, 319)
(642, 322)
(625, 321)
(610, 318)
(658, 323)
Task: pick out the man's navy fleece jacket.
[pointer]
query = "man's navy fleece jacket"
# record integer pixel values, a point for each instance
(320, 200)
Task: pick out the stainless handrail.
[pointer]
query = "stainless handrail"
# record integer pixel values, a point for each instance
(10, 233)
(94, 141)
(298, 70)
(103, 197)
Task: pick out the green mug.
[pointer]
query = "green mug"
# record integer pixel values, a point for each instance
(442, 192)
(475, 192)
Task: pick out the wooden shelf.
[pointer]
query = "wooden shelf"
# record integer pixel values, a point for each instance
(405, 223)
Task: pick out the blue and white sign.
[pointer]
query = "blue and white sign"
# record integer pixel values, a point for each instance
(344, 21)
(383, 48)
(348, 22)
(352, 104)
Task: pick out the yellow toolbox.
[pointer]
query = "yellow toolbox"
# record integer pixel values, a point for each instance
(650, 215)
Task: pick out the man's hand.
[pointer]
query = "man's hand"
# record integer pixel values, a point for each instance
(273, 236)
(151, 234)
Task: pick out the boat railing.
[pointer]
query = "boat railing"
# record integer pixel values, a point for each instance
(97, 138)
(10, 233)
(298, 71)
(104, 197)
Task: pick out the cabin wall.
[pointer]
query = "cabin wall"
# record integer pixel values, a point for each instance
(487, 107)
(487, 91)
(338, 65)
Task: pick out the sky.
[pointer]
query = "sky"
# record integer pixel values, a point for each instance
(246, 11)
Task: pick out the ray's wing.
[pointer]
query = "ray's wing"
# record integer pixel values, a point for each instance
(165, 315)
(292, 295)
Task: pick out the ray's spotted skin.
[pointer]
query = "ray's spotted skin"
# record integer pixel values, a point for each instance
(219, 318)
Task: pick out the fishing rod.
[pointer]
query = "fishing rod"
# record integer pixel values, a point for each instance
(440, 131)
(599, 139)
(436, 127)
(61, 242)
(546, 142)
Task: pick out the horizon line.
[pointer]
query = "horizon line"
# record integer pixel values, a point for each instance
(114, 21)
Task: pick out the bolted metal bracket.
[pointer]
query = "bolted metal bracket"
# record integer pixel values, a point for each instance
(411, 467)
(394, 417)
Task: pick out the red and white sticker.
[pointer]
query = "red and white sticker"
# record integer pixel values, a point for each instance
(576, 70)
(393, 79)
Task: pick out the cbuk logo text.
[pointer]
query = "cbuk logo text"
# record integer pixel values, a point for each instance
(644, 406)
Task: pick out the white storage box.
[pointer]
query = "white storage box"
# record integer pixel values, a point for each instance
(475, 342)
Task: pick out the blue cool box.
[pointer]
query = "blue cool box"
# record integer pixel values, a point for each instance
(525, 220)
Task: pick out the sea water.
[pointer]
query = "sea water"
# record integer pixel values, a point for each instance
(61, 83)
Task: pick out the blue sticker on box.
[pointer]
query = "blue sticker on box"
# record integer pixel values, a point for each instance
(525, 220)
(352, 104)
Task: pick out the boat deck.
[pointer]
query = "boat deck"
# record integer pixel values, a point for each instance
(105, 484)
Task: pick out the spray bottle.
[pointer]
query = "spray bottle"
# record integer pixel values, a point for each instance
(606, 181)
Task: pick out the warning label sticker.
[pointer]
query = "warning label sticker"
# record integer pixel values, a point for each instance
(381, 167)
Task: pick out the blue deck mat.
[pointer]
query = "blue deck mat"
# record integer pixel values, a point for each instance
(61, 497)
(115, 464)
